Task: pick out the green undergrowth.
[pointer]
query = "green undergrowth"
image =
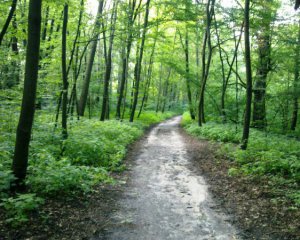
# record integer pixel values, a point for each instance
(272, 156)
(92, 151)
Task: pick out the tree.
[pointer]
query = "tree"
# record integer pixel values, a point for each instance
(133, 10)
(20, 160)
(90, 63)
(109, 61)
(205, 61)
(8, 20)
(138, 66)
(296, 83)
(263, 66)
(246, 129)
(64, 73)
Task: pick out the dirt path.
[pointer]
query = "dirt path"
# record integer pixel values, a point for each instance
(164, 198)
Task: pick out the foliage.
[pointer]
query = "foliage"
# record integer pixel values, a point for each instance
(18, 208)
(51, 177)
(96, 143)
(92, 151)
(268, 154)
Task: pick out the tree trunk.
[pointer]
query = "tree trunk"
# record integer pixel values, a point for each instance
(246, 129)
(205, 63)
(263, 68)
(88, 73)
(296, 84)
(20, 160)
(8, 20)
(105, 101)
(133, 11)
(64, 74)
(187, 72)
(137, 74)
(148, 78)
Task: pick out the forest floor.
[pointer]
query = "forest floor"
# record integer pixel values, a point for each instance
(174, 188)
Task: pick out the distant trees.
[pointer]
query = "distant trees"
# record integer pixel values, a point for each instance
(154, 55)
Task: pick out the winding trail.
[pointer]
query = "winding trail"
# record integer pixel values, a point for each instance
(164, 198)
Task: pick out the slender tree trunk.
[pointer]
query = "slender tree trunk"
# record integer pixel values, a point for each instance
(20, 160)
(105, 101)
(8, 20)
(148, 79)
(296, 84)
(159, 88)
(88, 73)
(223, 111)
(205, 63)
(139, 63)
(166, 90)
(15, 79)
(133, 11)
(64, 74)
(44, 34)
(246, 129)
(187, 72)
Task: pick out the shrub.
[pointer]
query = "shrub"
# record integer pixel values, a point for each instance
(103, 144)
(267, 154)
(18, 208)
(51, 177)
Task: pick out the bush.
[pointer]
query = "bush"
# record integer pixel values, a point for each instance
(18, 208)
(51, 177)
(102, 144)
(272, 155)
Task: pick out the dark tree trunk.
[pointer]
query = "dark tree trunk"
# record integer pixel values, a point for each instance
(148, 78)
(133, 11)
(159, 88)
(263, 68)
(20, 160)
(246, 129)
(105, 101)
(187, 73)
(296, 84)
(137, 72)
(65, 74)
(44, 35)
(205, 63)
(8, 20)
(88, 73)
(166, 91)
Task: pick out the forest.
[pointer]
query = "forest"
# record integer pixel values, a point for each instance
(81, 81)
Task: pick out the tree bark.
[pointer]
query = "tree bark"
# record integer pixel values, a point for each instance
(20, 160)
(133, 11)
(109, 63)
(246, 129)
(187, 73)
(205, 63)
(88, 73)
(296, 84)
(263, 68)
(137, 74)
(65, 74)
(8, 20)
